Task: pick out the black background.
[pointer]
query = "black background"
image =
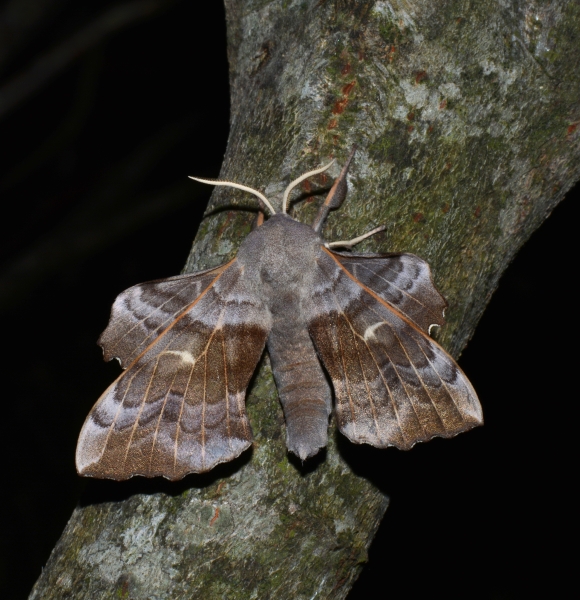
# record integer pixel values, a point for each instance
(484, 515)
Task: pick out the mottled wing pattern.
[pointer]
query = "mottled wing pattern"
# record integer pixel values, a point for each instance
(393, 384)
(179, 407)
(141, 313)
(403, 280)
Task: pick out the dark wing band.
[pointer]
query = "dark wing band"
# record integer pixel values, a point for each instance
(403, 280)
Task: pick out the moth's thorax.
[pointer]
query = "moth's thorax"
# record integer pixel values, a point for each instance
(281, 253)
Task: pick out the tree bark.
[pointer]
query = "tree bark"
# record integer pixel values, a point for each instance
(465, 115)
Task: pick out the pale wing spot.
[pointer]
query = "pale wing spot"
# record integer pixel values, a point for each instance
(431, 327)
(186, 357)
(370, 330)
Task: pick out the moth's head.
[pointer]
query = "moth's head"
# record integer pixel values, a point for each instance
(265, 204)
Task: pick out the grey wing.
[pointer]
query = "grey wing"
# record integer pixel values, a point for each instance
(141, 313)
(403, 280)
(393, 384)
(180, 406)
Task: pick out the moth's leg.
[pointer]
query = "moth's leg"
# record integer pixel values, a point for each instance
(356, 240)
(304, 392)
(336, 195)
(259, 220)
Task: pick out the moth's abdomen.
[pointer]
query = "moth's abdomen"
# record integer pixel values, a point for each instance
(304, 392)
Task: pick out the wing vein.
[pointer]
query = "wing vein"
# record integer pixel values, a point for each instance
(178, 425)
(347, 383)
(203, 403)
(443, 383)
(401, 380)
(159, 420)
(227, 393)
(414, 369)
(143, 401)
(373, 408)
(204, 354)
(112, 425)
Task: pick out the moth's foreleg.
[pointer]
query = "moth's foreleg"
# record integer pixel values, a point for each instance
(258, 221)
(356, 240)
(304, 392)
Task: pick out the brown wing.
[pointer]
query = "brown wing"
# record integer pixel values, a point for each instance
(403, 280)
(393, 384)
(144, 311)
(179, 407)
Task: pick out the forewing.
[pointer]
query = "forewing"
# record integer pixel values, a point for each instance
(141, 313)
(403, 280)
(393, 384)
(179, 407)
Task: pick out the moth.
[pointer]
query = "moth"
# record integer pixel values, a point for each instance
(190, 344)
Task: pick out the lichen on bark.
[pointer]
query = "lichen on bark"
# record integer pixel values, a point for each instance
(465, 115)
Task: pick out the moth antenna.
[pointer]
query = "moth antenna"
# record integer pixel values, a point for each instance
(238, 186)
(301, 179)
(356, 240)
(336, 195)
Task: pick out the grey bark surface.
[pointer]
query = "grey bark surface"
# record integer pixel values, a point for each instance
(466, 118)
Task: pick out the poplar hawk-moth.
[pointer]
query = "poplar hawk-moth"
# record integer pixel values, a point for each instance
(190, 344)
